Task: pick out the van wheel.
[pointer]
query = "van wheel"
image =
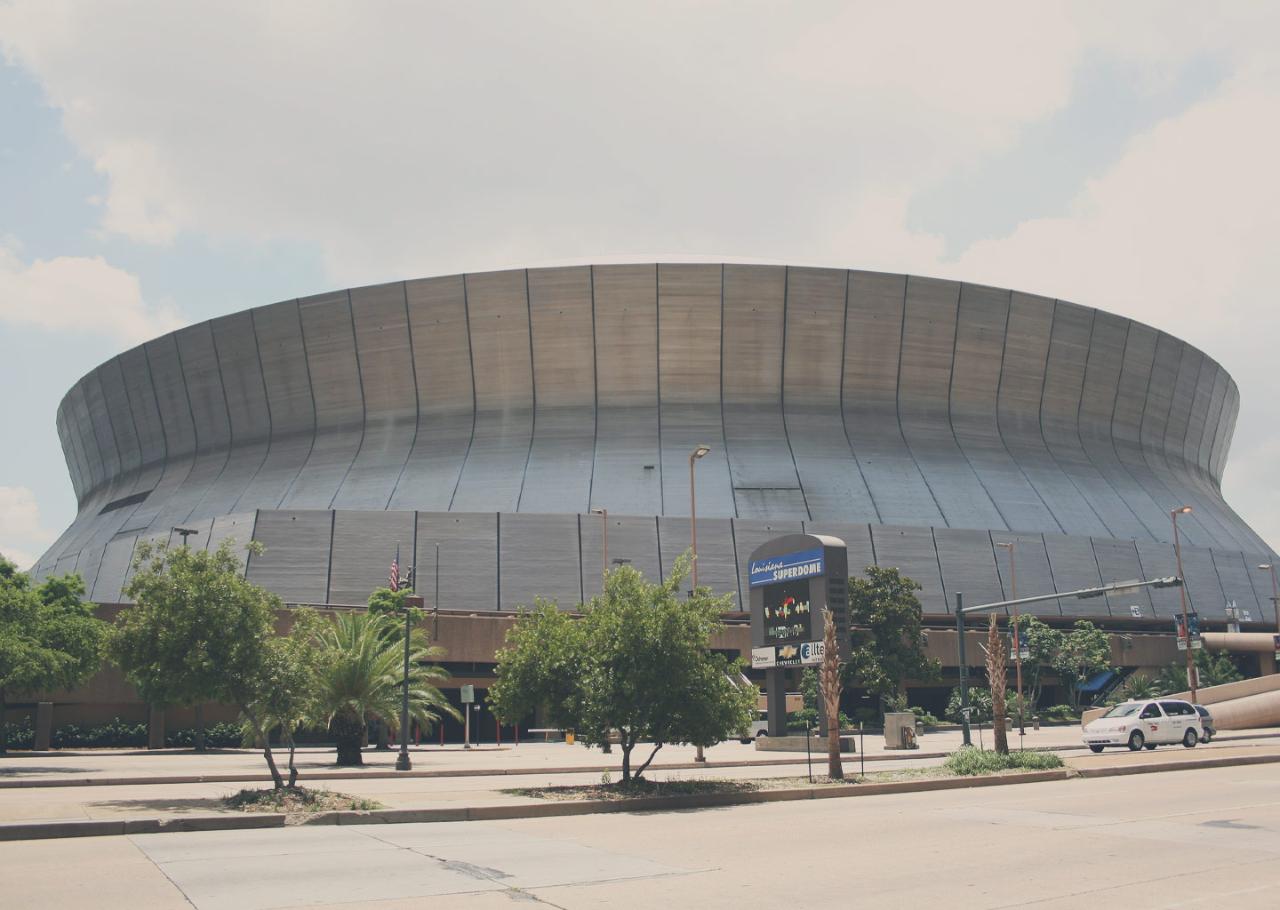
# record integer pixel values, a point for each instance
(1190, 739)
(1095, 748)
(1136, 741)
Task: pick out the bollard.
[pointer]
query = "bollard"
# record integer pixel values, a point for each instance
(44, 726)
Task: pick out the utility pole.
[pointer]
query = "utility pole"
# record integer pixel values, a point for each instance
(1017, 632)
(1182, 590)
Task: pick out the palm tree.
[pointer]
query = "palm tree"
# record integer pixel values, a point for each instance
(358, 678)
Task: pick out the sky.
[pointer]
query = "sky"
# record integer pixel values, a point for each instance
(162, 163)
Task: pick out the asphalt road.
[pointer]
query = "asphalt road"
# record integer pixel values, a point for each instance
(1182, 839)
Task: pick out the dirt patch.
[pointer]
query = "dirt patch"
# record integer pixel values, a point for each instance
(297, 801)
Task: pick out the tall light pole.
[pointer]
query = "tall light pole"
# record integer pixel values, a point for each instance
(1182, 591)
(1017, 641)
(1275, 591)
(604, 539)
(184, 533)
(696, 454)
(413, 601)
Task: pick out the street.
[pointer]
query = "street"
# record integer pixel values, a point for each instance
(1193, 838)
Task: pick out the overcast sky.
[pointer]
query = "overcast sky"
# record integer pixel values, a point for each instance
(165, 162)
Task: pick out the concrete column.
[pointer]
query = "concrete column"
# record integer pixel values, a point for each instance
(44, 726)
(155, 728)
(1266, 664)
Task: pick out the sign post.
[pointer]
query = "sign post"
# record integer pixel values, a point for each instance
(792, 580)
(468, 697)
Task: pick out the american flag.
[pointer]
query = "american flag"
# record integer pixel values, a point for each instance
(395, 572)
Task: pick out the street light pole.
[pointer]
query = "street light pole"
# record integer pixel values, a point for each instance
(604, 539)
(1017, 641)
(964, 669)
(1182, 591)
(402, 760)
(694, 456)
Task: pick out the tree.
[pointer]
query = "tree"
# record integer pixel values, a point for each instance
(359, 675)
(831, 688)
(1213, 670)
(199, 630)
(979, 705)
(49, 637)
(287, 702)
(638, 661)
(1042, 643)
(1081, 653)
(888, 643)
(997, 678)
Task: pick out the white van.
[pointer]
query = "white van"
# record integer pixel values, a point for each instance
(759, 728)
(1146, 723)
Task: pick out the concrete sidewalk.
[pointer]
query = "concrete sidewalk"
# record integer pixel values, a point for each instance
(316, 763)
(175, 801)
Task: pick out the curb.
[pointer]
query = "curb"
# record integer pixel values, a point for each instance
(1189, 765)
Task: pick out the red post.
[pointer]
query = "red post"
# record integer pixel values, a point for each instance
(497, 737)
(517, 726)
(442, 732)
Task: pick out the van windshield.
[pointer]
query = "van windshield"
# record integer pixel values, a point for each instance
(1122, 711)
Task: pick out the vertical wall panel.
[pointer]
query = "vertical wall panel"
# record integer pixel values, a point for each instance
(1157, 560)
(468, 566)
(873, 339)
(912, 551)
(499, 321)
(364, 543)
(813, 371)
(628, 468)
(631, 538)
(558, 477)
(289, 401)
(115, 564)
(968, 565)
(334, 369)
(1118, 561)
(689, 389)
(1075, 567)
(539, 558)
(760, 460)
(295, 560)
(442, 365)
(717, 559)
(236, 527)
(246, 402)
(1031, 560)
(179, 431)
(856, 537)
(1203, 587)
(390, 396)
(1233, 575)
(928, 348)
(975, 382)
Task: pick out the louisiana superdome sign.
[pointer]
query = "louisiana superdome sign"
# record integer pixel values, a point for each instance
(791, 567)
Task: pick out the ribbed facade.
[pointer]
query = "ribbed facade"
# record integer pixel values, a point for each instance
(921, 420)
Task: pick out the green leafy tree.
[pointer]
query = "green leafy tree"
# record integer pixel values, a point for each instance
(287, 701)
(638, 661)
(199, 631)
(1214, 669)
(1082, 652)
(49, 637)
(979, 704)
(1042, 644)
(887, 646)
(359, 674)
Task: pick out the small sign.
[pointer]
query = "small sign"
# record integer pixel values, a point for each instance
(812, 652)
(1275, 640)
(468, 694)
(786, 656)
(791, 567)
(1135, 611)
(763, 658)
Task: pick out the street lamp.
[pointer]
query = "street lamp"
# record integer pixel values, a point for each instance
(402, 760)
(184, 533)
(604, 538)
(1275, 590)
(1017, 642)
(695, 455)
(1182, 591)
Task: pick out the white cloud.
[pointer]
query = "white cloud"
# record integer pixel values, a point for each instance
(23, 536)
(79, 294)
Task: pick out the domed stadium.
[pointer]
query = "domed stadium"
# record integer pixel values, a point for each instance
(519, 422)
